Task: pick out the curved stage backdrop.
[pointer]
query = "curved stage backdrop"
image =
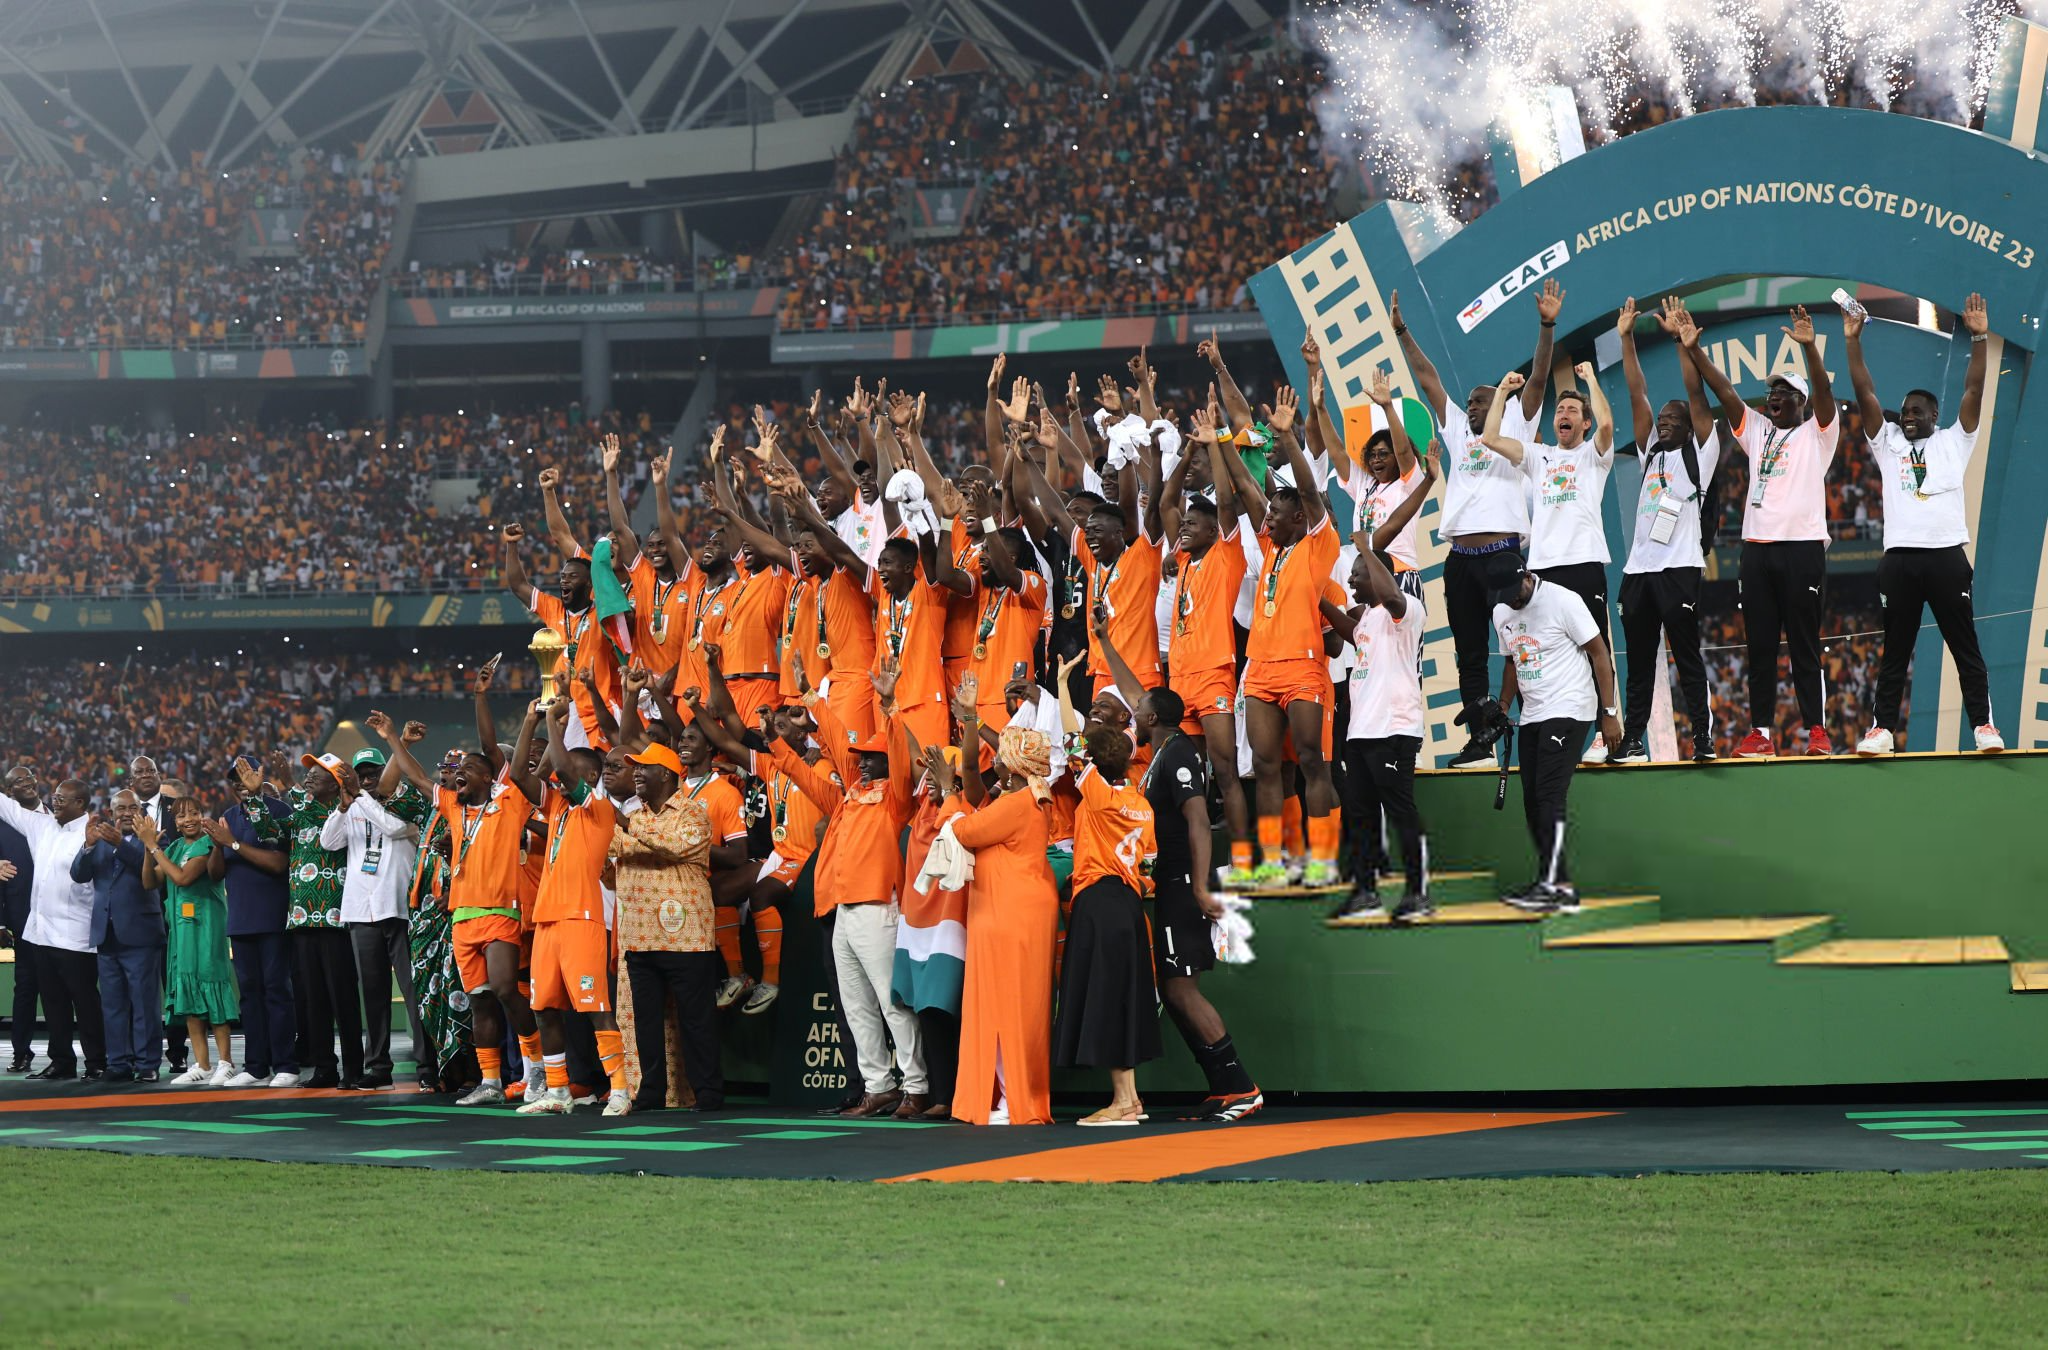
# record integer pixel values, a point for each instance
(1923, 208)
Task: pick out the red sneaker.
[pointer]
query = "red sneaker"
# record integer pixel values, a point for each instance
(1756, 745)
(1817, 742)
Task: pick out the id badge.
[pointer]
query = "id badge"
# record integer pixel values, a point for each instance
(370, 859)
(1666, 523)
(186, 910)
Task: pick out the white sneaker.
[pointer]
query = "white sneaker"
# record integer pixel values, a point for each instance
(1989, 742)
(536, 1084)
(284, 1080)
(245, 1079)
(729, 990)
(483, 1094)
(760, 1000)
(220, 1075)
(193, 1077)
(999, 1115)
(550, 1102)
(1878, 741)
(1596, 753)
(620, 1103)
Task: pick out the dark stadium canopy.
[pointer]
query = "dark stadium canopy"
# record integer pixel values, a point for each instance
(167, 80)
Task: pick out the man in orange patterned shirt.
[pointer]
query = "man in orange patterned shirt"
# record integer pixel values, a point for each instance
(662, 853)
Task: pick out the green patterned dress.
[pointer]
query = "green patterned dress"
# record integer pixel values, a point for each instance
(200, 980)
(444, 1005)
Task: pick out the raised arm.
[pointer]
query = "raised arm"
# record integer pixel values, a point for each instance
(1235, 405)
(401, 757)
(1419, 365)
(1382, 393)
(765, 545)
(837, 466)
(1280, 417)
(516, 771)
(486, 721)
(1603, 416)
(1641, 417)
(995, 549)
(558, 524)
(1547, 306)
(1052, 511)
(625, 543)
(1390, 529)
(516, 580)
(665, 507)
(1867, 405)
(1148, 493)
(1680, 324)
(1821, 401)
(1172, 496)
(805, 512)
(1977, 319)
(1507, 447)
(559, 759)
(1127, 682)
(1248, 499)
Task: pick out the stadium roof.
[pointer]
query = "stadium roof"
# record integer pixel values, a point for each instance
(166, 79)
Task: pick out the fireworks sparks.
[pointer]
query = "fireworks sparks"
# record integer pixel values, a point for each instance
(1415, 85)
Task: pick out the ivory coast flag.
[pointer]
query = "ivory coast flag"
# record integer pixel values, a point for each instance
(931, 936)
(1365, 420)
(614, 606)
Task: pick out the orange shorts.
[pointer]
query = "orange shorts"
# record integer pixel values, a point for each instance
(931, 723)
(471, 937)
(571, 959)
(851, 696)
(787, 870)
(1282, 683)
(1205, 693)
(749, 696)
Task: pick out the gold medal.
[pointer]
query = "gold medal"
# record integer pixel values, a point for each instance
(981, 651)
(1271, 609)
(781, 833)
(824, 650)
(1068, 611)
(659, 628)
(696, 641)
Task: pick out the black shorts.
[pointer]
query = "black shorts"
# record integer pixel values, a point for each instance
(1181, 944)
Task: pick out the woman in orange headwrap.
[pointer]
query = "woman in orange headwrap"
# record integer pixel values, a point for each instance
(1013, 910)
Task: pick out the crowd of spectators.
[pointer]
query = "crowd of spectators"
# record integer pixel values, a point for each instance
(95, 254)
(1166, 186)
(85, 717)
(242, 509)
(545, 271)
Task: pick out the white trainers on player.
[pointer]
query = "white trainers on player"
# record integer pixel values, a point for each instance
(1878, 741)
(1596, 753)
(1989, 742)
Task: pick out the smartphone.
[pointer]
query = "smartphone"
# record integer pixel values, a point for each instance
(1847, 303)
(1021, 670)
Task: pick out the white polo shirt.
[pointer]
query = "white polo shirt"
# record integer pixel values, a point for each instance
(1923, 486)
(1788, 497)
(1483, 493)
(1546, 640)
(1386, 673)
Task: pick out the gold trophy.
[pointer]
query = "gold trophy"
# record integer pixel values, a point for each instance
(547, 654)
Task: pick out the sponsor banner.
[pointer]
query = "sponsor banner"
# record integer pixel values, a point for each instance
(271, 363)
(1029, 335)
(473, 311)
(167, 614)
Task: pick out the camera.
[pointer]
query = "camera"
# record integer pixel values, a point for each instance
(1487, 721)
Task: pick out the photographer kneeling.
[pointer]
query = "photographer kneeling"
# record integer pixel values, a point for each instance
(1555, 662)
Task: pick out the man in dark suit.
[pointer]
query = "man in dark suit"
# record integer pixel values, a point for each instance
(258, 902)
(147, 783)
(21, 785)
(128, 930)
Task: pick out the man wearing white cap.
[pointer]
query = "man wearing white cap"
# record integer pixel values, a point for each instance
(1784, 532)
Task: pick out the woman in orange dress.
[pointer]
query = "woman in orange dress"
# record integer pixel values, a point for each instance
(1013, 906)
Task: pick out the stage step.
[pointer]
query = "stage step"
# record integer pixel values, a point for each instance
(1920, 951)
(1680, 932)
(1596, 913)
(1457, 886)
(2030, 977)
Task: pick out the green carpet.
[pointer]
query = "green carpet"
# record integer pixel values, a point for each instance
(195, 1251)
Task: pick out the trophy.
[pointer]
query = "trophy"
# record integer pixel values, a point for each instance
(547, 654)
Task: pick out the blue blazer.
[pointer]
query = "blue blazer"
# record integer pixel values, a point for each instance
(122, 911)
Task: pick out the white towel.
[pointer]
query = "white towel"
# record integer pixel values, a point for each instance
(948, 865)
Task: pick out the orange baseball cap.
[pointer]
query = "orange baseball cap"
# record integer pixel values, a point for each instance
(657, 753)
(876, 743)
(331, 763)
